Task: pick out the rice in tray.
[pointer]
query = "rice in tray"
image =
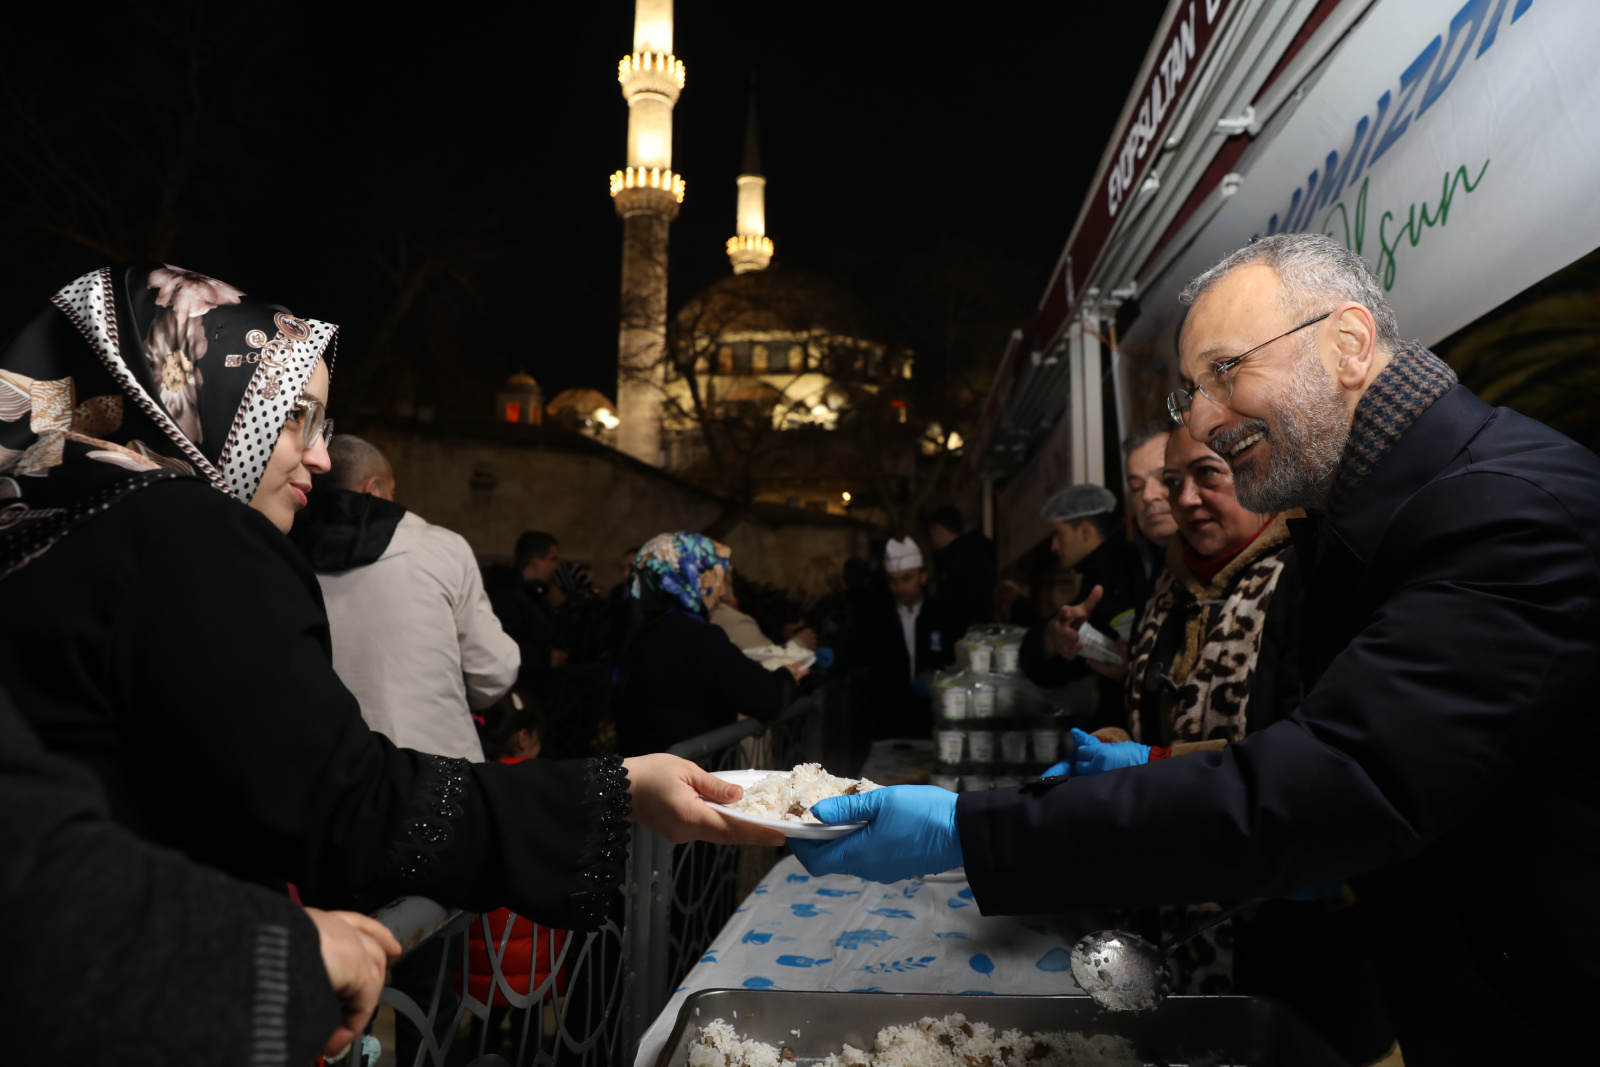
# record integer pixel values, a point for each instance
(721, 1046)
(948, 1042)
(789, 795)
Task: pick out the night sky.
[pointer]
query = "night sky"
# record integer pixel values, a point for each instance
(885, 128)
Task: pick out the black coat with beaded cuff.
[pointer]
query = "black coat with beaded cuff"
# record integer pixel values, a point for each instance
(176, 645)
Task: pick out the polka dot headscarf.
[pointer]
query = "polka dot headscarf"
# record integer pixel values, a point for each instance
(138, 374)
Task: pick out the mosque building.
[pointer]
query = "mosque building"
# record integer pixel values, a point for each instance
(775, 349)
(604, 476)
(783, 351)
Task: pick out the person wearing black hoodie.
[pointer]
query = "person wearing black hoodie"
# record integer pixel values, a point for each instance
(965, 561)
(117, 952)
(414, 637)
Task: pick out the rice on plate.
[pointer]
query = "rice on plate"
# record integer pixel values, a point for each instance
(788, 796)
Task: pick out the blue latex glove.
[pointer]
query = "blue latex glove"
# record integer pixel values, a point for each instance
(1091, 756)
(824, 658)
(910, 831)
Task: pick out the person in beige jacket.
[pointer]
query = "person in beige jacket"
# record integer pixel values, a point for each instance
(414, 637)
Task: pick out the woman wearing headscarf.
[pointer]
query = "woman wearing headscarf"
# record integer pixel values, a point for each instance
(677, 675)
(168, 636)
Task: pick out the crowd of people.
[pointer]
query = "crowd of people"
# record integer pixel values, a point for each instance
(1352, 607)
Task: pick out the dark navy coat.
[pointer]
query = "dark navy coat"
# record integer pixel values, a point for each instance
(1443, 758)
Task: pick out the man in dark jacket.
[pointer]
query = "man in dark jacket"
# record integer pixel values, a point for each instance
(518, 595)
(1086, 539)
(965, 562)
(902, 641)
(1443, 757)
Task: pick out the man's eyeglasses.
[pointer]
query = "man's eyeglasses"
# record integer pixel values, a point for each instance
(314, 421)
(1215, 383)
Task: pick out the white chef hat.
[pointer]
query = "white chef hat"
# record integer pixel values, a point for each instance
(901, 554)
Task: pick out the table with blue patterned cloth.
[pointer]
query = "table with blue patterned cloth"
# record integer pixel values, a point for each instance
(848, 935)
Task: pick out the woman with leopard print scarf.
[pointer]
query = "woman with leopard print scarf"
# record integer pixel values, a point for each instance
(1215, 657)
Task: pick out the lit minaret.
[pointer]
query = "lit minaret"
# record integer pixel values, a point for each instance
(647, 194)
(751, 249)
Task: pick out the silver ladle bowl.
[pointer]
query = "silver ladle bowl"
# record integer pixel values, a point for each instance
(1124, 972)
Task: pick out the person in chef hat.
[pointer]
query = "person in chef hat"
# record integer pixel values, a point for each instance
(902, 641)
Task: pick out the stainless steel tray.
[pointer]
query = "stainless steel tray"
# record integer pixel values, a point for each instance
(1231, 1030)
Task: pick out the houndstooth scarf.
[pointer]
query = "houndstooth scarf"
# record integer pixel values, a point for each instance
(1407, 387)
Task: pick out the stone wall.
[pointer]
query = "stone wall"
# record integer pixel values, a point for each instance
(489, 482)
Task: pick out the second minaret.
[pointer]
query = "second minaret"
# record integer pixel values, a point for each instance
(750, 248)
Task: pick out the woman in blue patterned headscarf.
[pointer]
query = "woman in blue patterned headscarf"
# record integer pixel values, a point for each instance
(677, 675)
(679, 570)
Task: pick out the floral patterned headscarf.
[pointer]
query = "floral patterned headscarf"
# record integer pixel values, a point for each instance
(139, 374)
(679, 569)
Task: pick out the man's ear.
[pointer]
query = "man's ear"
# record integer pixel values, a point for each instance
(1357, 342)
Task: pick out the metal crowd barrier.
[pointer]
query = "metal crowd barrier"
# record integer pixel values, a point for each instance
(601, 990)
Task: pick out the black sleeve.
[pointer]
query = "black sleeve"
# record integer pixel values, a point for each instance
(1047, 672)
(861, 647)
(110, 944)
(1277, 689)
(737, 684)
(1480, 657)
(518, 617)
(259, 725)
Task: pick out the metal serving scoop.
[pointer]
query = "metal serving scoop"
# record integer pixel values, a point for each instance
(1124, 972)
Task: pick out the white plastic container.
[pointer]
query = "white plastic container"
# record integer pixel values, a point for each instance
(1006, 658)
(1014, 746)
(1046, 745)
(980, 745)
(951, 745)
(957, 702)
(982, 701)
(979, 656)
(1097, 647)
(952, 782)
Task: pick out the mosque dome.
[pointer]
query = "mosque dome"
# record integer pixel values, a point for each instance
(779, 321)
(779, 298)
(520, 401)
(586, 410)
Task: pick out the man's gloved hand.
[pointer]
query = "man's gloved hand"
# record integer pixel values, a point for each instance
(1091, 756)
(910, 831)
(824, 658)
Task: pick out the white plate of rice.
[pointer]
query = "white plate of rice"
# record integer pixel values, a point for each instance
(773, 657)
(782, 800)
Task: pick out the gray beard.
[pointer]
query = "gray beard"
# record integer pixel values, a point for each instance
(1304, 444)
